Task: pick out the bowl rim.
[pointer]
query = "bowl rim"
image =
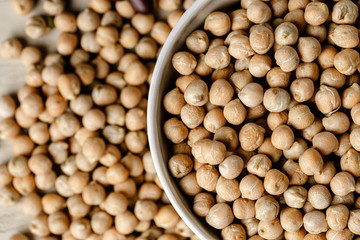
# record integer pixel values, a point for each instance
(153, 116)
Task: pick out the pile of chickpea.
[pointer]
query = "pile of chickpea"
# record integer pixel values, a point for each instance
(82, 167)
(264, 120)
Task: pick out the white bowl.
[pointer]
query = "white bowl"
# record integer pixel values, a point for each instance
(163, 76)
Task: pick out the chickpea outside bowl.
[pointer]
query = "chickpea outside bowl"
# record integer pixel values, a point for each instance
(192, 19)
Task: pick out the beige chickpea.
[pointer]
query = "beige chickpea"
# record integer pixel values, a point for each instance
(94, 120)
(45, 181)
(233, 231)
(218, 23)
(146, 48)
(319, 197)
(326, 174)
(326, 57)
(344, 12)
(251, 95)
(166, 217)
(295, 196)
(251, 187)
(300, 117)
(348, 162)
(347, 61)
(302, 89)
(220, 93)
(207, 177)
(261, 39)
(89, 43)
(220, 216)
(275, 182)
(80, 228)
(240, 79)
(315, 222)
(239, 20)
(160, 31)
(227, 189)
(337, 217)
(67, 124)
(217, 57)
(7, 106)
(39, 226)
(136, 73)
(189, 185)
(234, 112)
(296, 149)
(30, 56)
(345, 36)
(258, 12)
(145, 210)
(251, 136)
(228, 136)
(136, 141)
(333, 78)
(69, 86)
(24, 185)
(294, 173)
(52, 203)
(286, 34)
(65, 22)
(5, 176)
(316, 13)
(184, 62)
(169, 5)
(115, 203)
(58, 223)
(76, 206)
(287, 58)
(19, 236)
(197, 42)
(259, 65)
(202, 69)
(9, 128)
(175, 130)
(308, 70)
(66, 43)
(55, 105)
(343, 234)
(128, 188)
(239, 47)
(311, 162)
(33, 76)
(309, 49)
(291, 219)
(93, 194)
(354, 136)
(32, 105)
(79, 56)
(112, 53)
(101, 67)
(276, 99)
(22, 145)
(180, 165)
(250, 225)
(342, 184)
(277, 78)
(36, 27)
(202, 204)
(350, 96)
(51, 73)
(266, 208)
(353, 223)
(214, 120)
(10, 48)
(130, 96)
(244, 208)
(270, 229)
(174, 101)
(8, 196)
(174, 17)
(117, 173)
(22, 8)
(78, 181)
(325, 143)
(282, 137)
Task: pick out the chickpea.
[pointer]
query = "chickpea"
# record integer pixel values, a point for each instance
(337, 217)
(300, 117)
(347, 200)
(58, 223)
(240, 47)
(220, 216)
(295, 196)
(22, 8)
(353, 223)
(316, 13)
(287, 58)
(251, 95)
(80, 228)
(259, 65)
(326, 174)
(89, 43)
(9, 128)
(19, 236)
(39, 226)
(276, 99)
(309, 49)
(258, 12)
(344, 12)
(347, 61)
(218, 23)
(251, 187)
(344, 234)
(251, 136)
(286, 34)
(261, 39)
(217, 57)
(342, 184)
(315, 222)
(52, 203)
(291, 219)
(266, 208)
(93, 194)
(76, 206)
(270, 229)
(233, 230)
(311, 162)
(227, 189)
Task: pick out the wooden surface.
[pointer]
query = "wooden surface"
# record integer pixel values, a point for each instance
(11, 78)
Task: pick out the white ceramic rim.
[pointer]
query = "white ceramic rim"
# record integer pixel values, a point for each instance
(153, 118)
